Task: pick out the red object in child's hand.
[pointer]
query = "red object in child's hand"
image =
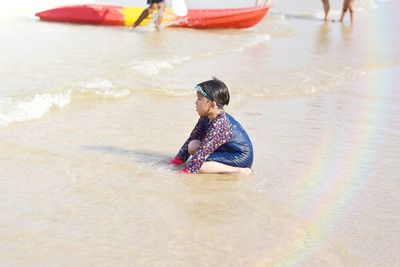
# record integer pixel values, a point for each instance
(176, 161)
(184, 171)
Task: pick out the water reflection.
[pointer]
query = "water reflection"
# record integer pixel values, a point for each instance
(347, 34)
(323, 38)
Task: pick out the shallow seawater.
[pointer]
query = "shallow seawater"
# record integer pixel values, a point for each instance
(90, 116)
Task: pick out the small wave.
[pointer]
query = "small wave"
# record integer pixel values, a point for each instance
(154, 67)
(303, 83)
(254, 42)
(101, 87)
(28, 109)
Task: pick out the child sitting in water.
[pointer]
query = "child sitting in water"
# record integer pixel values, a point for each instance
(218, 143)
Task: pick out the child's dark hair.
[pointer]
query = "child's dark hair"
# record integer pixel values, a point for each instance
(217, 91)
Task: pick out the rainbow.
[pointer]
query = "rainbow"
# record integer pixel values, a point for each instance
(338, 172)
(339, 167)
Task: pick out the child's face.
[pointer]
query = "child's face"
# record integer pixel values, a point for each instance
(203, 105)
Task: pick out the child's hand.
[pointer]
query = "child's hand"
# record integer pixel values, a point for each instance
(176, 161)
(184, 171)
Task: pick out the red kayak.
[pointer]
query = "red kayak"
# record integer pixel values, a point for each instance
(223, 18)
(118, 15)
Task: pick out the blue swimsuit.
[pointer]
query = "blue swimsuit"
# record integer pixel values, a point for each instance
(221, 140)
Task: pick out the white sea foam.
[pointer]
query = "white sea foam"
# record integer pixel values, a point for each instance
(12, 110)
(17, 109)
(258, 39)
(96, 83)
(153, 67)
(102, 87)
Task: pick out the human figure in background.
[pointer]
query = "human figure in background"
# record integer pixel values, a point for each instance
(218, 143)
(158, 5)
(326, 8)
(348, 5)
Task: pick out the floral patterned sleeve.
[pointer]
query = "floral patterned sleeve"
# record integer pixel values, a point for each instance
(219, 132)
(197, 133)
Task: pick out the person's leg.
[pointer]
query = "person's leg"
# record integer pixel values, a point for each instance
(142, 16)
(345, 7)
(216, 167)
(213, 166)
(342, 15)
(326, 8)
(160, 8)
(351, 9)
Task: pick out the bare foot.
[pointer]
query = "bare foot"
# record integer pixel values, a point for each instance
(245, 171)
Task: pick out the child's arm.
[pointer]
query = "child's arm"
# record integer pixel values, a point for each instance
(197, 133)
(218, 134)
